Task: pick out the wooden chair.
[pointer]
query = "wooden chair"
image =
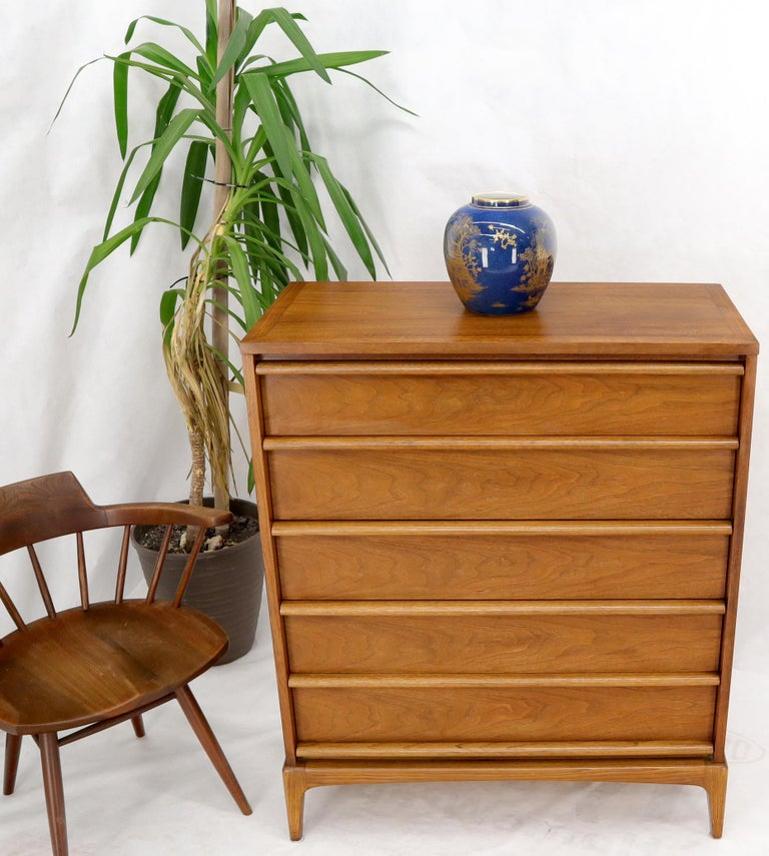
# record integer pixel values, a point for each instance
(98, 664)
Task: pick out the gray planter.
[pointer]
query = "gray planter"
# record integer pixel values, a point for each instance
(226, 584)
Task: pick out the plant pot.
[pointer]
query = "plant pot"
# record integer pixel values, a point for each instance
(226, 584)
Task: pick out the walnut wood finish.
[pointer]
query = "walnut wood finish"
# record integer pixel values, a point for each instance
(457, 713)
(312, 774)
(393, 560)
(99, 664)
(364, 482)
(502, 548)
(359, 320)
(504, 643)
(505, 399)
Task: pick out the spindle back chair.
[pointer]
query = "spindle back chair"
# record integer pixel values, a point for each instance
(99, 664)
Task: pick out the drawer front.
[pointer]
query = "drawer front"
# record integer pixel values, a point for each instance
(398, 561)
(366, 482)
(512, 644)
(342, 714)
(500, 399)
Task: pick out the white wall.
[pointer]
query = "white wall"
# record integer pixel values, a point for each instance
(641, 127)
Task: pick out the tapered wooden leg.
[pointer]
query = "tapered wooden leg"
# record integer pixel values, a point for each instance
(209, 742)
(138, 724)
(54, 793)
(12, 750)
(715, 785)
(295, 789)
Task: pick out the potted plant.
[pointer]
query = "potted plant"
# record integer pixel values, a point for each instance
(230, 106)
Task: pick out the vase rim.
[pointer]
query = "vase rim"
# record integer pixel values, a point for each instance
(500, 200)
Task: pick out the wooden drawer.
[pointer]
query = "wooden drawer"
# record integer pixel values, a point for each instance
(506, 713)
(440, 478)
(432, 398)
(501, 561)
(503, 637)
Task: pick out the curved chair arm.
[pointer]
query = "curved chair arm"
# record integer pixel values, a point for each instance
(164, 514)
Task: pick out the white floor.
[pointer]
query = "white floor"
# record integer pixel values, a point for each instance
(159, 795)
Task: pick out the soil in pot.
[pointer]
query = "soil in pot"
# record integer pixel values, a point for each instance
(227, 582)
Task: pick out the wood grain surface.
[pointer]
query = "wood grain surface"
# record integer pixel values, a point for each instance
(96, 664)
(426, 399)
(359, 319)
(507, 713)
(485, 483)
(503, 643)
(395, 561)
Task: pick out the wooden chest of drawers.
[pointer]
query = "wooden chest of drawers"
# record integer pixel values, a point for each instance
(502, 548)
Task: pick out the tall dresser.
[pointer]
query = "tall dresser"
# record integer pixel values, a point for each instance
(502, 548)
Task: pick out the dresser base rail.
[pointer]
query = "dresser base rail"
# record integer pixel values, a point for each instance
(299, 778)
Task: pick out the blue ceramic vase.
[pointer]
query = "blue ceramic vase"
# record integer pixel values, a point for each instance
(500, 252)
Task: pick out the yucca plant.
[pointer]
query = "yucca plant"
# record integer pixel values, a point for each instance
(228, 104)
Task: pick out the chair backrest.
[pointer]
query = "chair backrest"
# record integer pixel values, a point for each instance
(55, 505)
(43, 508)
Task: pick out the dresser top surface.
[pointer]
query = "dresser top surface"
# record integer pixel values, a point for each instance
(413, 319)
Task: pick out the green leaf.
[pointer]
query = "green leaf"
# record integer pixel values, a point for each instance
(234, 45)
(163, 113)
(120, 93)
(346, 214)
(379, 91)
(168, 303)
(264, 100)
(164, 23)
(366, 229)
(281, 141)
(327, 60)
(251, 481)
(192, 185)
(294, 32)
(177, 127)
(212, 31)
(239, 263)
(119, 188)
(157, 54)
(69, 89)
(339, 269)
(101, 252)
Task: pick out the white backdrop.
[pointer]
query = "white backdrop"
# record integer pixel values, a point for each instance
(640, 127)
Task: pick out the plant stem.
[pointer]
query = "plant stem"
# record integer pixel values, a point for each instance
(198, 470)
(223, 175)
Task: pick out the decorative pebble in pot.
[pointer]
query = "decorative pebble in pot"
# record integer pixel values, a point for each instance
(500, 252)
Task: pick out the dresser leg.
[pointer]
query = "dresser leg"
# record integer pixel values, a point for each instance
(715, 785)
(295, 786)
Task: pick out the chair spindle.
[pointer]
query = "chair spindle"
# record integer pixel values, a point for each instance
(81, 571)
(159, 564)
(122, 565)
(41, 583)
(187, 572)
(11, 607)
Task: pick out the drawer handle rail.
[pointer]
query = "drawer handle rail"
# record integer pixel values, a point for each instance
(431, 367)
(502, 607)
(400, 528)
(591, 749)
(379, 681)
(481, 443)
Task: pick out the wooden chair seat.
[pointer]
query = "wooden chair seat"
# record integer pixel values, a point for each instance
(85, 666)
(87, 669)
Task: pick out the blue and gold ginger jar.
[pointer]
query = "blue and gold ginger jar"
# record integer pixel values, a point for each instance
(500, 252)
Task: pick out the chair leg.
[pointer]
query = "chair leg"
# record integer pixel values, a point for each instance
(138, 724)
(211, 745)
(12, 751)
(54, 793)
